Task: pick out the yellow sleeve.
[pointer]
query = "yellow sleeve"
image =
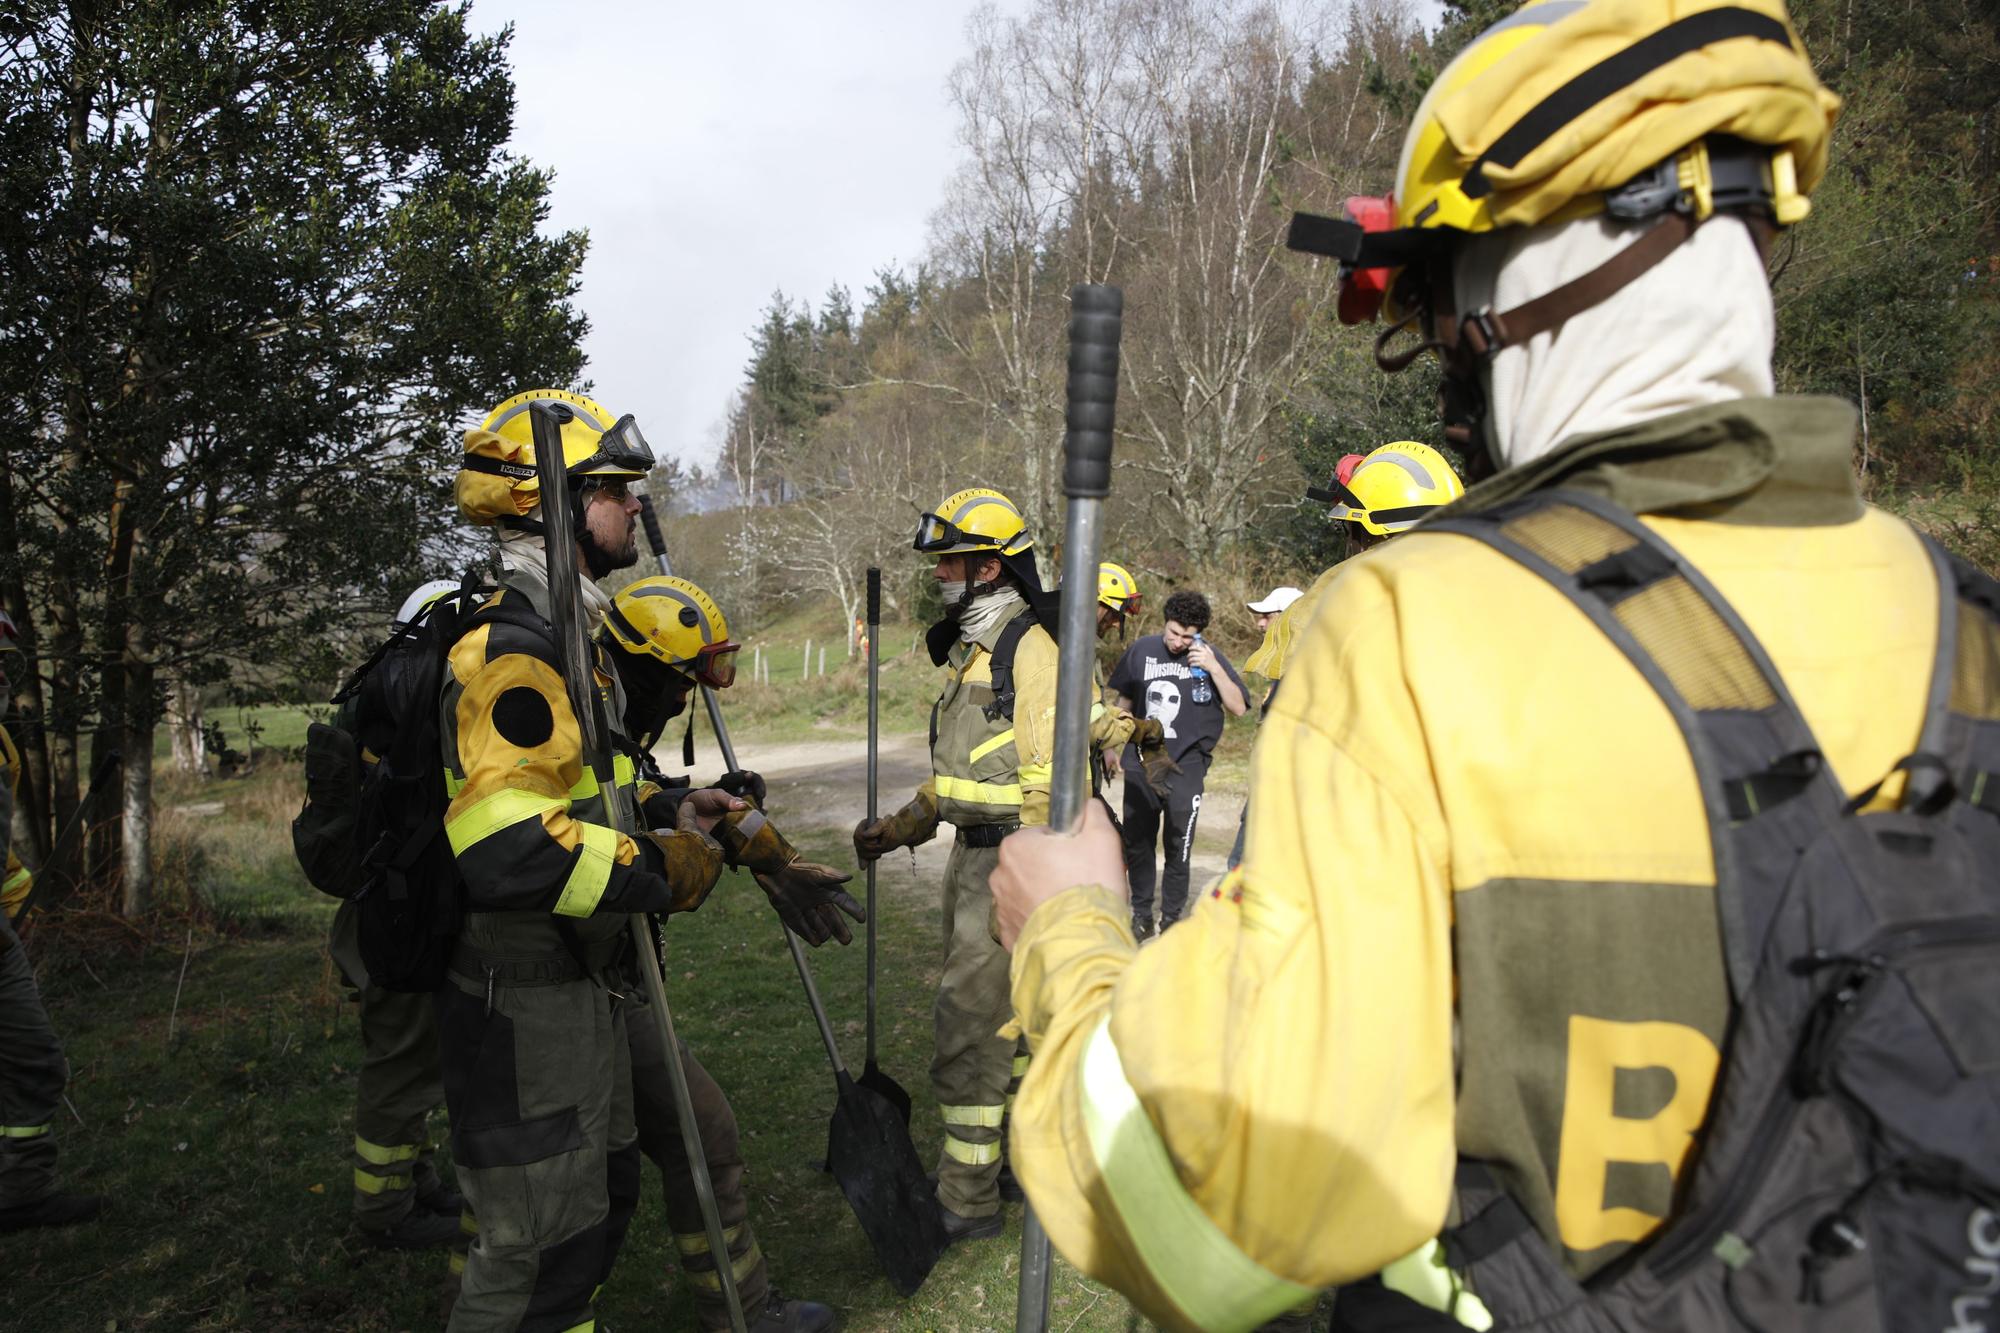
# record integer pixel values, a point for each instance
(1110, 725)
(1035, 722)
(511, 831)
(1303, 1085)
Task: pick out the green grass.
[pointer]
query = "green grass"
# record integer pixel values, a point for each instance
(217, 1113)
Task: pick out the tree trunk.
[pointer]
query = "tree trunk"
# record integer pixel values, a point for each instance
(137, 843)
(184, 729)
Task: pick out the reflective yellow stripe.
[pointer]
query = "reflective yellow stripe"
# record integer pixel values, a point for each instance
(1020, 1065)
(978, 793)
(696, 1242)
(584, 888)
(488, 815)
(384, 1154)
(369, 1183)
(17, 880)
(1199, 1268)
(453, 784)
(709, 1280)
(22, 1131)
(1010, 1102)
(1423, 1276)
(986, 1117)
(1036, 775)
(587, 1326)
(984, 748)
(623, 775)
(467, 1223)
(1096, 712)
(456, 1264)
(972, 1154)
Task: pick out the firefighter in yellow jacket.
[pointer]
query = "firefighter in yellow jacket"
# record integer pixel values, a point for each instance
(1478, 914)
(992, 737)
(32, 1068)
(532, 1018)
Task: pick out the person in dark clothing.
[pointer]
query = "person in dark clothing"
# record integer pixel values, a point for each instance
(1180, 681)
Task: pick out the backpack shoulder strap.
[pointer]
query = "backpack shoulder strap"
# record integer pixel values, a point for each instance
(1004, 649)
(1753, 751)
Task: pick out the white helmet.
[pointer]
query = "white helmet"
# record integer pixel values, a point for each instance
(414, 604)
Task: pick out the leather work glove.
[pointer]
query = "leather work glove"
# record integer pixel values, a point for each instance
(742, 782)
(1154, 761)
(689, 860)
(915, 823)
(806, 895)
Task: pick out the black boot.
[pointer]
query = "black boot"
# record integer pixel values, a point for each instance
(438, 1197)
(1010, 1188)
(420, 1229)
(1142, 929)
(54, 1210)
(958, 1228)
(782, 1316)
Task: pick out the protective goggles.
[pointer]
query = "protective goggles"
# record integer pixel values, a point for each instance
(1124, 606)
(620, 447)
(1346, 505)
(936, 534)
(714, 665)
(1371, 249)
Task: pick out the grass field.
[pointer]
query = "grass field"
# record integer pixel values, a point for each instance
(213, 1094)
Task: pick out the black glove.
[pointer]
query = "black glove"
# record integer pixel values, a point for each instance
(744, 783)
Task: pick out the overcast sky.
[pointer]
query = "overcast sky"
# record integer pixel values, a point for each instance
(719, 152)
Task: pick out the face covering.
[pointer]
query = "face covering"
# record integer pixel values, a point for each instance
(953, 592)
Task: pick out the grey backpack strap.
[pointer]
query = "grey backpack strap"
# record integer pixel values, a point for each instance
(1753, 752)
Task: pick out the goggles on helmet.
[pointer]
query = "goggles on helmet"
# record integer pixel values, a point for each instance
(936, 534)
(1347, 505)
(620, 447)
(714, 664)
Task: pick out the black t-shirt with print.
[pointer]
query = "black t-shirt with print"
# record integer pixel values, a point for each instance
(1161, 686)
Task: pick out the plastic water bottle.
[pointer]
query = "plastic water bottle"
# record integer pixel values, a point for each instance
(1203, 692)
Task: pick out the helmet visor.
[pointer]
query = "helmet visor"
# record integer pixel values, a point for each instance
(715, 665)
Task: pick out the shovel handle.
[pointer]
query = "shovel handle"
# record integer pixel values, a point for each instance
(819, 1009)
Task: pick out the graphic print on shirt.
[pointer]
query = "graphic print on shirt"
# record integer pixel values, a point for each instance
(1163, 705)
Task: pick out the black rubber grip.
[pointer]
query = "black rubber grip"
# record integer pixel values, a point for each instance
(874, 596)
(651, 518)
(1096, 316)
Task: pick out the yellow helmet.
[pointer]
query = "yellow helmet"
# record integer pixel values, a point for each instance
(674, 621)
(1565, 109)
(1394, 488)
(496, 479)
(973, 520)
(1117, 589)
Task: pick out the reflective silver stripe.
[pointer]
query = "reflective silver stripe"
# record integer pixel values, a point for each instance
(1215, 1284)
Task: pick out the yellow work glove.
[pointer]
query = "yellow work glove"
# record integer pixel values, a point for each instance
(690, 860)
(915, 823)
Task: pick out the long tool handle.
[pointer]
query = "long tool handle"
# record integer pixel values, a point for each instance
(818, 1008)
(874, 752)
(1096, 317)
(565, 604)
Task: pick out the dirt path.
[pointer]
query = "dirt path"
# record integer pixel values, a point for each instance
(824, 785)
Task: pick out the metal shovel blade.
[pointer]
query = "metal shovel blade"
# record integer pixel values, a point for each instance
(871, 1155)
(888, 1089)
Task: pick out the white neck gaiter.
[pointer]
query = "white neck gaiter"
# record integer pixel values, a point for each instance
(988, 611)
(1696, 328)
(522, 554)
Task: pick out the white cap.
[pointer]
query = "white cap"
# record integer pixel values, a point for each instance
(1278, 599)
(414, 604)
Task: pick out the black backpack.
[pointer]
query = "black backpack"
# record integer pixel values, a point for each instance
(1848, 1172)
(372, 828)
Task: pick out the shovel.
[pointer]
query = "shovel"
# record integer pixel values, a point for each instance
(869, 1152)
(872, 1076)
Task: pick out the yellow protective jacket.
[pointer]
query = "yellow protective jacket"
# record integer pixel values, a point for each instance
(994, 770)
(533, 833)
(18, 880)
(1473, 823)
